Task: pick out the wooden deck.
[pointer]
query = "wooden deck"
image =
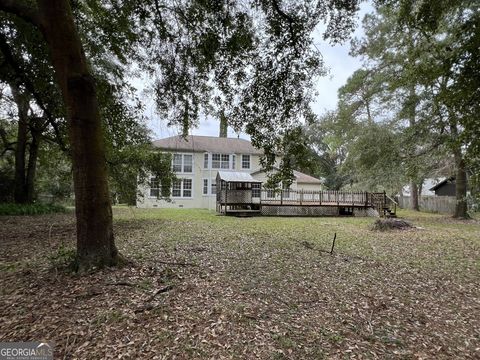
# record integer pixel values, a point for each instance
(303, 203)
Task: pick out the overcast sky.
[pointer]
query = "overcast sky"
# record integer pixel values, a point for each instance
(341, 65)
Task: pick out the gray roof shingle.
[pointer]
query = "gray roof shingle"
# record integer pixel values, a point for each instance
(196, 143)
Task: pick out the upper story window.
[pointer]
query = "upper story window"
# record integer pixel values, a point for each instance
(182, 163)
(205, 161)
(221, 161)
(245, 161)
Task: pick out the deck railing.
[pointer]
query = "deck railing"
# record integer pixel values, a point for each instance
(326, 197)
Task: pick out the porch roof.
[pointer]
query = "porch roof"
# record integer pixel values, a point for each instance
(236, 176)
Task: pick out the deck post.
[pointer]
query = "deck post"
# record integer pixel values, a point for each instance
(320, 197)
(281, 197)
(301, 196)
(366, 198)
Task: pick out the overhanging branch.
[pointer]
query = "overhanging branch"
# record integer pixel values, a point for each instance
(20, 73)
(21, 9)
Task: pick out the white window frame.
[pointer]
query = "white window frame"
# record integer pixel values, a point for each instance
(150, 188)
(224, 162)
(206, 164)
(205, 186)
(182, 163)
(245, 156)
(182, 189)
(213, 183)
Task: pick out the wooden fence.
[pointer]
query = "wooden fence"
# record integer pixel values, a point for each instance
(438, 204)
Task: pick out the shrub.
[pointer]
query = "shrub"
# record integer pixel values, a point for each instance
(390, 224)
(30, 209)
(64, 258)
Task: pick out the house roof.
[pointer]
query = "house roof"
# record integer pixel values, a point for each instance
(236, 176)
(196, 143)
(305, 179)
(442, 183)
(300, 177)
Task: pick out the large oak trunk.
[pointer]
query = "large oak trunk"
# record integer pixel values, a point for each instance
(95, 241)
(20, 190)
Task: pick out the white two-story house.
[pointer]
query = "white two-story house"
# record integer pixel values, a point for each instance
(196, 162)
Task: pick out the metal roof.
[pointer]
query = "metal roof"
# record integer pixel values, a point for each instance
(300, 177)
(196, 143)
(236, 176)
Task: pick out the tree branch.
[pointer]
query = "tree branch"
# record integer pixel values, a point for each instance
(20, 73)
(22, 10)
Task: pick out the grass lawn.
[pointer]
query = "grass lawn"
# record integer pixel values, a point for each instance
(207, 286)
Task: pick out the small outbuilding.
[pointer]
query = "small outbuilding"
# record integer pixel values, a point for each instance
(446, 187)
(238, 193)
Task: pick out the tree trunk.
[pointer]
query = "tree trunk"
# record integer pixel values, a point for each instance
(414, 196)
(460, 185)
(223, 125)
(412, 106)
(95, 241)
(32, 164)
(460, 174)
(20, 190)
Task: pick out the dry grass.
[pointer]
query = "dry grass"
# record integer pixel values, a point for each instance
(206, 286)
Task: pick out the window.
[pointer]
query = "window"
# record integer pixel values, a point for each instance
(270, 193)
(215, 161)
(154, 187)
(286, 191)
(245, 161)
(205, 161)
(205, 186)
(187, 187)
(187, 163)
(182, 188)
(182, 162)
(177, 163)
(213, 188)
(225, 162)
(220, 161)
(256, 190)
(177, 188)
(233, 161)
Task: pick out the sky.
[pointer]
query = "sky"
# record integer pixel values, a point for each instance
(340, 64)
